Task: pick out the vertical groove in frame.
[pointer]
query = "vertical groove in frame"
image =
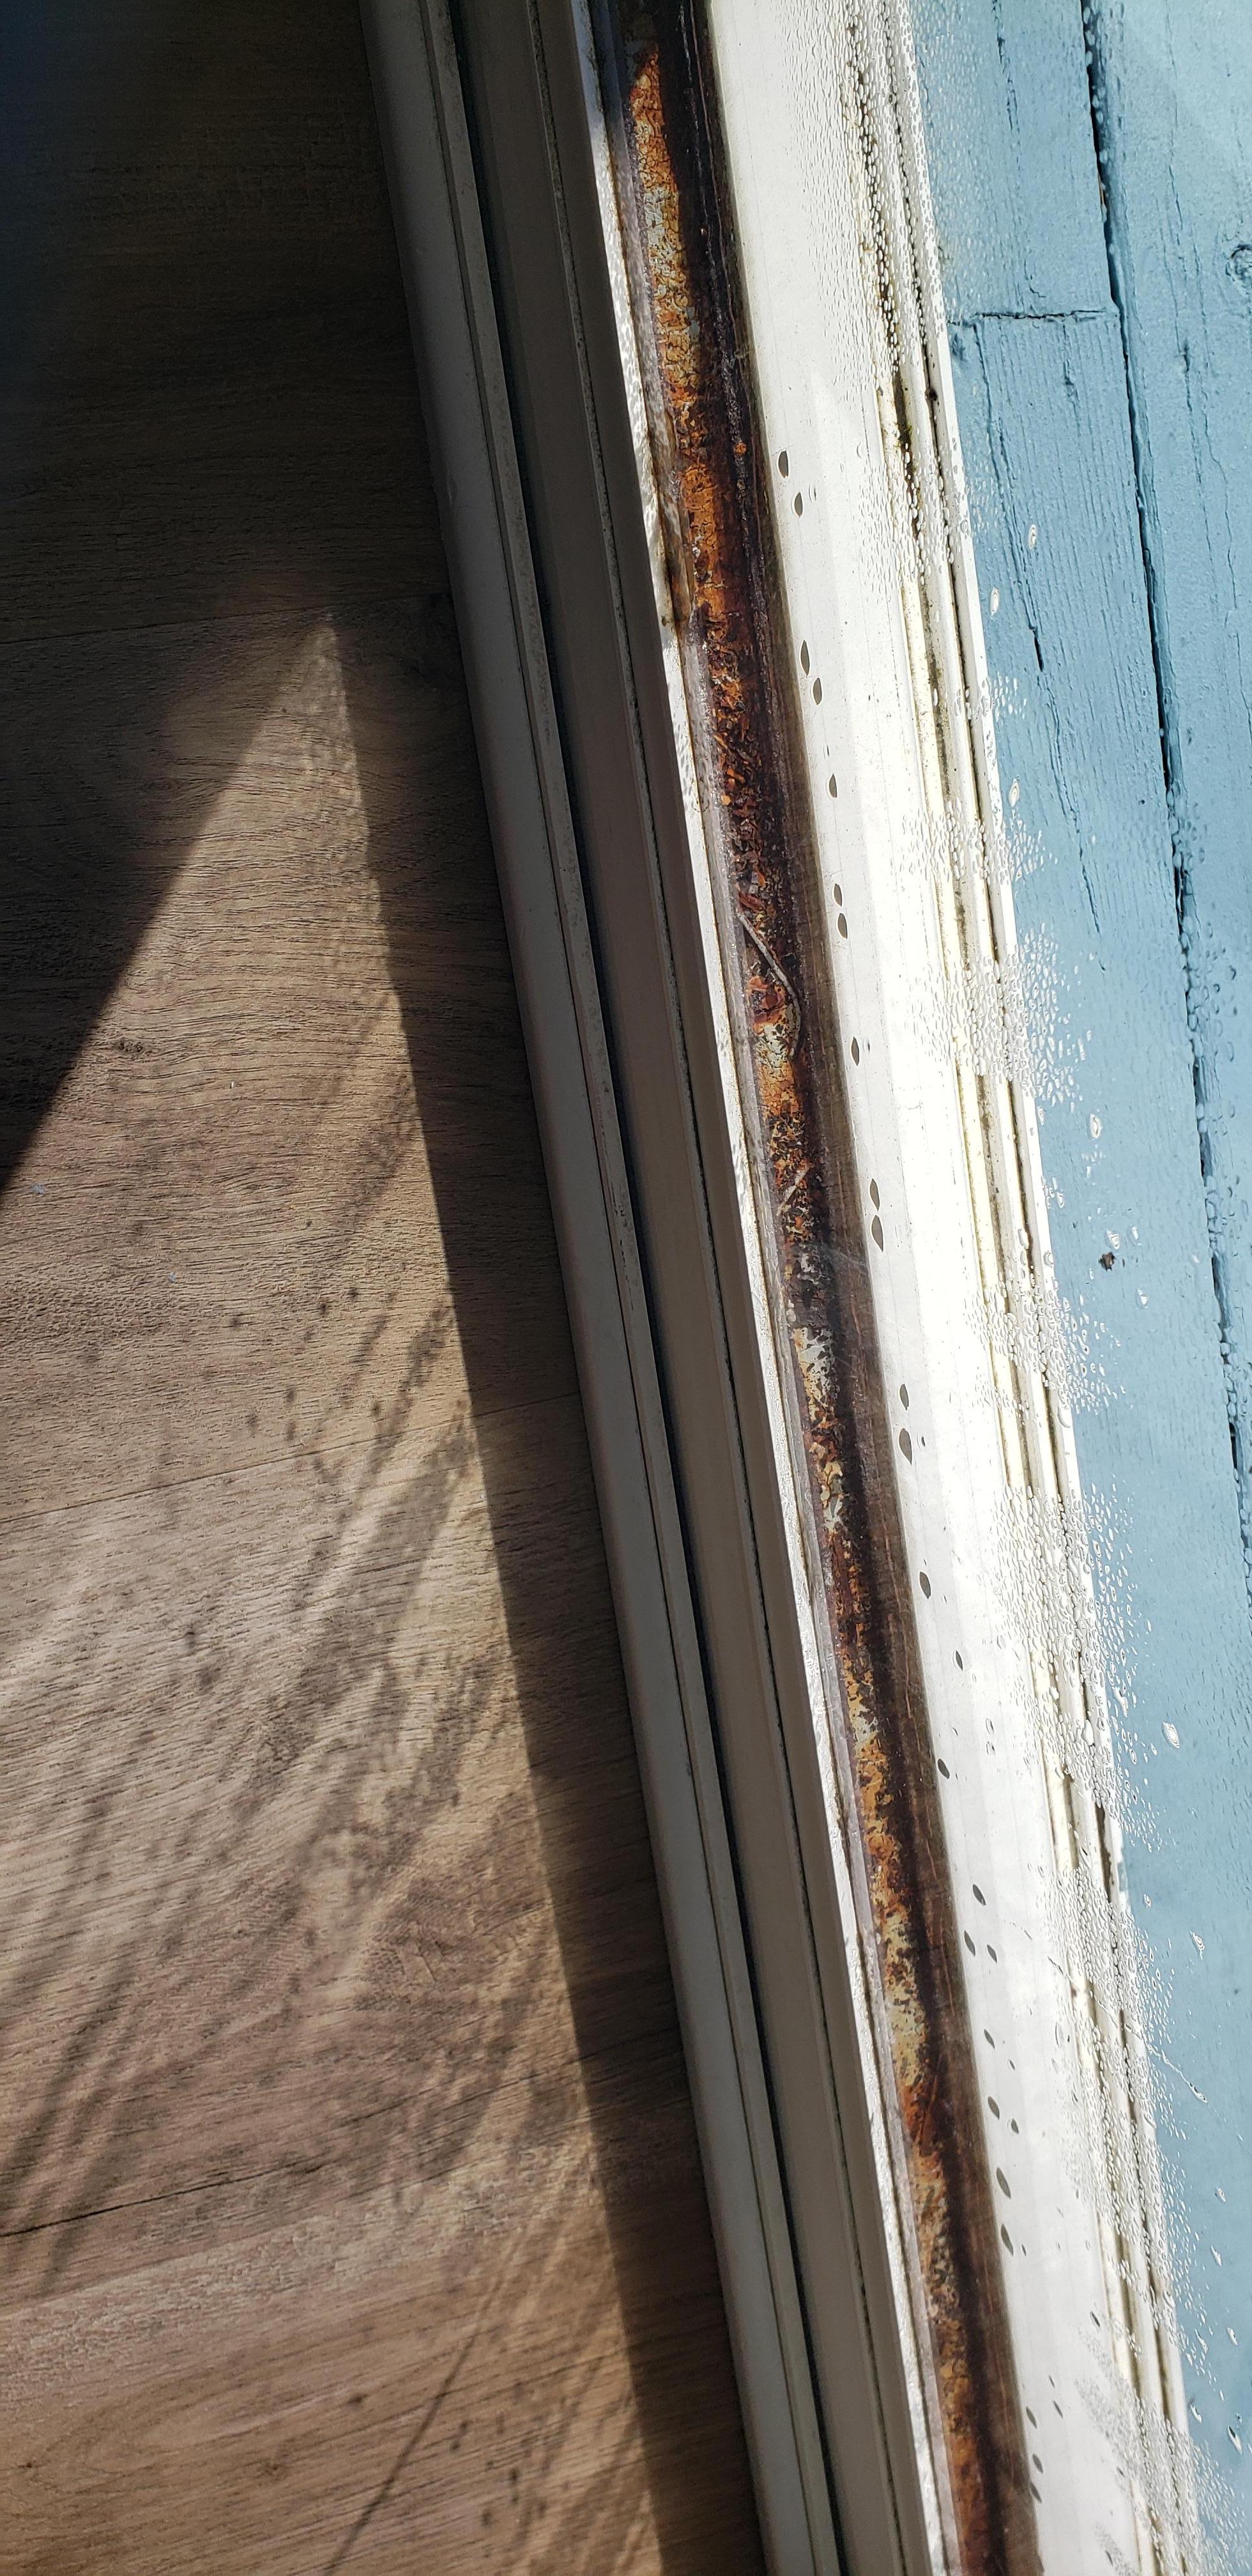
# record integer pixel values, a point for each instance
(719, 551)
(418, 82)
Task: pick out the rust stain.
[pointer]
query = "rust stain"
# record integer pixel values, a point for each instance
(718, 535)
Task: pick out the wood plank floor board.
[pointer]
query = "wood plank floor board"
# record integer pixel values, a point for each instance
(444, 2266)
(297, 943)
(350, 2208)
(210, 400)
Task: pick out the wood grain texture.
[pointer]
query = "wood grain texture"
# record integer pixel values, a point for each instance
(1170, 94)
(352, 2215)
(1171, 100)
(1013, 179)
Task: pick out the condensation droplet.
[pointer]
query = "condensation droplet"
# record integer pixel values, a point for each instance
(995, 603)
(1170, 1733)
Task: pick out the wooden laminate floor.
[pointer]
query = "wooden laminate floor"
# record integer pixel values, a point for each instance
(351, 2209)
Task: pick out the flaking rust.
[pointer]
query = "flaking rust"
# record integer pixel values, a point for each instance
(719, 544)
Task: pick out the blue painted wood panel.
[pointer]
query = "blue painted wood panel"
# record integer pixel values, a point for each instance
(1091, 638)
(1012, 170)
(1173, 100)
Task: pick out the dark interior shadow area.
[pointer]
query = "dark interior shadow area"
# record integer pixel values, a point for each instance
(575, 1722)
(207, 410)
(324, 1893)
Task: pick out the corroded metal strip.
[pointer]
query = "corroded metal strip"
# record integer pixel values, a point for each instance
(712, 478)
